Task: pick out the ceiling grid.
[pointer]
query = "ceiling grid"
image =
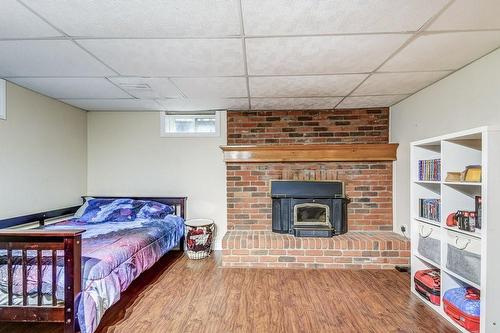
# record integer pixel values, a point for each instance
(240, 54)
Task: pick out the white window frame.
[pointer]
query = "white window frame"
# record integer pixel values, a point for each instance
(166, 116)
(3, 99)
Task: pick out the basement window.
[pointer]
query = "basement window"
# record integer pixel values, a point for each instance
(190, 124)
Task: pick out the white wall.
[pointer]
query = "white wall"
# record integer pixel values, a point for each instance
(127, 156)
(42, 154)
(466, 99)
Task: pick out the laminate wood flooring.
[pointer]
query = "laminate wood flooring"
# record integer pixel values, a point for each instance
(181, 295)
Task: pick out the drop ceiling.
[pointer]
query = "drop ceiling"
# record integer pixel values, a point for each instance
(240, 54)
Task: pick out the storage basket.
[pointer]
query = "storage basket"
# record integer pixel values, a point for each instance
(429, 245)
(464, 256)
(199, 234)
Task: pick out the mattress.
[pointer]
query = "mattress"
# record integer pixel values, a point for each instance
(113, 255)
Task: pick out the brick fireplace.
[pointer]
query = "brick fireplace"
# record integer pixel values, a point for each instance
(369, 243)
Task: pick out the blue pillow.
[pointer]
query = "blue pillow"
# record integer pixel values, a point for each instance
(154, 210)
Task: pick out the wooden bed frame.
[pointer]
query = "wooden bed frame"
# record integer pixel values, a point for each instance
(69, 241)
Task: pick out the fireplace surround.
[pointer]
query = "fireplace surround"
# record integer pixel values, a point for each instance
(349, 146)
(309, 208)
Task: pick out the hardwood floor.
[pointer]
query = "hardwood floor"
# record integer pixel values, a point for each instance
(181, 295)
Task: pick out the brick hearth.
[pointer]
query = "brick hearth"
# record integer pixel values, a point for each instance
(360, 250)
(370, 242)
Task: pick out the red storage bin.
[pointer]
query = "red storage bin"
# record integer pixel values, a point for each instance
(463, 306)
(428, 284)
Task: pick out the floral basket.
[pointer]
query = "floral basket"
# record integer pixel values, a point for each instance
(199, 234)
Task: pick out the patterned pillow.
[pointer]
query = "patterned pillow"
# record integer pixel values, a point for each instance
(111, 210)
(154, 210)
(79, 213)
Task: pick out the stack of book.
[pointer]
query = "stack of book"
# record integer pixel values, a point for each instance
(430, 209)
(429, 170)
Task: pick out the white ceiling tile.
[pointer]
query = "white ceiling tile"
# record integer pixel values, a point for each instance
(212, 87)
(398, 83)
(294, 103)
(72, 87)
(47, 58)
(139, 18)
(153, 88)
(19, 22)
(204, 104)
(169, 57)
(114, 104)
(304, 86)
(369, 101)
(320, 55)
(443, 51)
(285, 17)
(469, 15)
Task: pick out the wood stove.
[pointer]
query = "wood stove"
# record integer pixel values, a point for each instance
(309, 208)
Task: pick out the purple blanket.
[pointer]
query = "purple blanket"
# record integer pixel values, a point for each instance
(113, 255)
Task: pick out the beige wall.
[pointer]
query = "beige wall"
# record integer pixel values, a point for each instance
(127, 156)
(42, 154)
(466, 99)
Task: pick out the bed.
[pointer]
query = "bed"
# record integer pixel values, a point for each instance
(97, 254)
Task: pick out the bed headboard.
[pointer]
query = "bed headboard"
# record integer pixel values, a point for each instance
(179, 203)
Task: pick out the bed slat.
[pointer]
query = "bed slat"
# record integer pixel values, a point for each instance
(54, 277)
(9, 276)
(25, 277)
(39, 276)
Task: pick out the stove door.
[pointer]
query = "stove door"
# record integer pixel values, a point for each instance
(312, 212)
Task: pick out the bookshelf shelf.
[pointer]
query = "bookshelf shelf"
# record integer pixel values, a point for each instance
(460, 278)
(427, 182)
(422, 219)
(476, 234)
(462, 184)
(428, 261)
(455, 152)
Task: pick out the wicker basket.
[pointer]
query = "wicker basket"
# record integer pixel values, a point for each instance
(199, 234)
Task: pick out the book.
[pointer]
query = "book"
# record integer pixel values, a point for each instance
(429, 170)
(479, 214)
(430, 209)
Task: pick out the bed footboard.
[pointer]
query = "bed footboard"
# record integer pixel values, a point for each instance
(16, 244)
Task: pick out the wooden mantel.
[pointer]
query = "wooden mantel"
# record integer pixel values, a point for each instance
(310, 153)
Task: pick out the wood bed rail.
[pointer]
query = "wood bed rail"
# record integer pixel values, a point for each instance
(26, 249)
(38, 217)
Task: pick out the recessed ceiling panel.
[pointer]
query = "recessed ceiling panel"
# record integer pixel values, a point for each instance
(140, 18)
(212, 87)
(147, 88)
(369, 101)
(19, 22)
(469, 15)
(443, 51)
(304, 86)
(72, 87)
(114, 104)
(320, 55)
(169, 57)
(292, 17)
(47, 58)
(204, 104)
(294, 103)
(398, 83)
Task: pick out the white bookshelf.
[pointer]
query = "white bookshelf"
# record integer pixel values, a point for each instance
(479, 146)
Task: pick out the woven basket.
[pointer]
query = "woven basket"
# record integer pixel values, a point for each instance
(199, 235)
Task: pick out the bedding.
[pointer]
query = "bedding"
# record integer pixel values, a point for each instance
(116, 249)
